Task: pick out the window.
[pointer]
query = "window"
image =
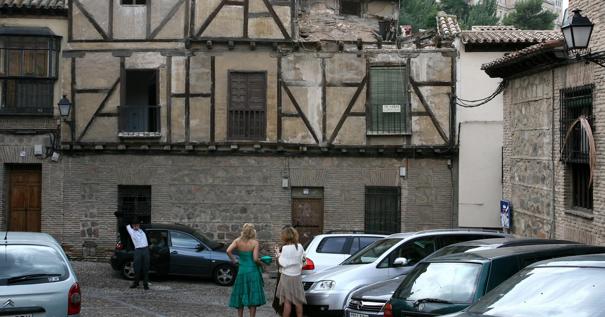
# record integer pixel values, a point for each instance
(350, 7)
(28, 70)
(383, 210)
(332, 245)
(362, 242)
(576, 102)
(247, 104)
(183, 240)
(388, 106)
(135, 201)
(140, 111)
(134, 2)
(413, 251)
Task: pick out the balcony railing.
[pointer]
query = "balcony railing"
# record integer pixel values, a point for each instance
(140, 120)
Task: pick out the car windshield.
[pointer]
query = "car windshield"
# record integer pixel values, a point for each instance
(28, 264)
(371, 252)
(547, 291)
(445, 282)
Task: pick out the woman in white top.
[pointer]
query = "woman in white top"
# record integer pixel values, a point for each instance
(291, 258)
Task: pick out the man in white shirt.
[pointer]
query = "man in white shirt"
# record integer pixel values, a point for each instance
(141, 253)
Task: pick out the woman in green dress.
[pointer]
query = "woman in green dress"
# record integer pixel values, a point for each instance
(248, 288)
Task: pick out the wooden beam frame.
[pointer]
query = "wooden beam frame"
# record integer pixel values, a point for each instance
(210, 18)
(347, 112)
(169, 99)
(429, 110)
(277, 20)
(300, 112)
(212, 98)
(90, 19)
(99, 109)
(166, 19)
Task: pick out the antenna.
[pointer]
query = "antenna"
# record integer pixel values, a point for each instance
(6, 235)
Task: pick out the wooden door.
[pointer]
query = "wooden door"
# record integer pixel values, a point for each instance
(25, 199)
(308, 217)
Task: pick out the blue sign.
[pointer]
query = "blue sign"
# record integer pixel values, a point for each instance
(505, 213)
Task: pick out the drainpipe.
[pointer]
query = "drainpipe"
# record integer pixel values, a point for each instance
(553, 223)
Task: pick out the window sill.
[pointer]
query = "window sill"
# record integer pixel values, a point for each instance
(140, 135)
(580, 213)
(370, 133)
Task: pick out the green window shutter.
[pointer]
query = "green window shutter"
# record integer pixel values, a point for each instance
(388, 100)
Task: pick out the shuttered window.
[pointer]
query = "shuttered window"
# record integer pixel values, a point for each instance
(388, 100)
(576, 102)
(247, 104)
(383, 210)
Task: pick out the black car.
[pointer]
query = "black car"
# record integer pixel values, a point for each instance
(177, 250)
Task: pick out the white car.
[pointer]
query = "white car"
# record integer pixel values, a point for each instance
(328, 250)
(36, 278)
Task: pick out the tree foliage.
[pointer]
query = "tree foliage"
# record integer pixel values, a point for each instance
(420, 14)
(529, 15)
(483, 13)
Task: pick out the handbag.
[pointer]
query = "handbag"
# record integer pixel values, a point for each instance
(279, 308)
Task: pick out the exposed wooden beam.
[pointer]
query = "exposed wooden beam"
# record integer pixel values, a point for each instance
(188, 99)
(324, 103)
(90, 19)
(277, 20)
(279, 100)
(345, 115)
(246, 13)
(210, 18)
(110, 21)
(212, 98)
(99, 109)
(169, 99)
(429, 110)
(166, 19)
(299, 110)
(434, 83)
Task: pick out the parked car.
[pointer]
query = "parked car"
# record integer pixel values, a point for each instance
(328, 250)
(36, 277)
(562, 287)
(177, 250)
(368, 301)
(453, 282)
(326, 292)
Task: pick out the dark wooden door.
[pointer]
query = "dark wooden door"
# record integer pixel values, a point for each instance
(24, 199)
(308, 217)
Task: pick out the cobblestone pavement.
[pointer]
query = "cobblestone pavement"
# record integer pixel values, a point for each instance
(105, 293)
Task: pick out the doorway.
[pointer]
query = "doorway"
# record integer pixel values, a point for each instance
(307, 212)
(24, 197)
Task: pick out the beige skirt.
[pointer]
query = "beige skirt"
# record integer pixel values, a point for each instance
(290, 289)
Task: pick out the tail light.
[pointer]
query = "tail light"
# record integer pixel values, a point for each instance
(309, 265)
(388, 310)
(119, 246)
(74, 300)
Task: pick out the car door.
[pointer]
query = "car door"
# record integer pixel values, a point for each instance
(413, 251)
(188, 256)
(159, 251)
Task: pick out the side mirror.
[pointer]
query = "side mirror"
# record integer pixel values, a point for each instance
(200, 247)
(400, 262)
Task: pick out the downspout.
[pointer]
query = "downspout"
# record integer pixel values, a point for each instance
(553, 227)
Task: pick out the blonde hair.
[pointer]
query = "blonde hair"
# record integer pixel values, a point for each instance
(289, 235)
(248, 232)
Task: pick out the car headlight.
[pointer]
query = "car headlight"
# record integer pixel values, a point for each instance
(324, 285)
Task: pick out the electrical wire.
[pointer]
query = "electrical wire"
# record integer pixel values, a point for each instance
(479, 102)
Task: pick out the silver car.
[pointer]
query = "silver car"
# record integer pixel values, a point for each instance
(36, 278)
(327, 291)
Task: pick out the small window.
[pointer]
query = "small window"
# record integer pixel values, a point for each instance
(388, 108)
(183, 240)
(134, 2)
(577, 102)
(383, 210)
(332, 245)
(350, 7)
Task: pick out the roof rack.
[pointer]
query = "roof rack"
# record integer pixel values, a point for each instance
(347, 231)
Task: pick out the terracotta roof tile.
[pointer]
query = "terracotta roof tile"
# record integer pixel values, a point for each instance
(447, 26)
(34, 4)
(508, 36)
(526, 52)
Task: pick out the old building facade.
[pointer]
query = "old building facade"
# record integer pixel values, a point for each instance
(216, 113)
(547, 175)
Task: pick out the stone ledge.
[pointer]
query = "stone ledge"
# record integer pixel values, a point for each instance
(139, 134)
(581, 214)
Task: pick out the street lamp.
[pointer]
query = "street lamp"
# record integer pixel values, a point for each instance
(64, 110)
(577, 35)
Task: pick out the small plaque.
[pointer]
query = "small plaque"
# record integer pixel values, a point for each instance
(391, 108)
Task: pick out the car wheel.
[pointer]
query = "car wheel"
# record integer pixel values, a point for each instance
(224, 275)
(128, 270)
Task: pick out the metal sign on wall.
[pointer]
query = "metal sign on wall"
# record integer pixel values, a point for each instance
(505, 214)
(391, 108)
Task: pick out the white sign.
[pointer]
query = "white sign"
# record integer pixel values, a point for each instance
(391, 108)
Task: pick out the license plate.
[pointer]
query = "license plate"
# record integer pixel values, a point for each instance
(357, 315)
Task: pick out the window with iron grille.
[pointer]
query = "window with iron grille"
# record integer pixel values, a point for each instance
(388, 102)
(28, 71)
(135, 201)
(247, 104)
(134, 2)
(350, 7)
(383, 210)
(576, 102)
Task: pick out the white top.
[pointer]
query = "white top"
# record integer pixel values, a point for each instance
(138, 237)
(291, 259)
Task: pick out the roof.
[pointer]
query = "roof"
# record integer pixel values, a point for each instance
(26, 31)
(491, 254)
(542, 54)
(508, 36)
(511, 241)
(327, 25)
(448, 232)
(447, 26)
(34, 4)
(591, 260)
(27, 237)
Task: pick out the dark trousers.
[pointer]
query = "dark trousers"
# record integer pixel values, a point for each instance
(141, 265)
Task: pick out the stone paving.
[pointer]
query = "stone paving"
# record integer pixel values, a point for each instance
(105, 293)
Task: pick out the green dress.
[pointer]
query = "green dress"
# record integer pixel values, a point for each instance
(248, 287)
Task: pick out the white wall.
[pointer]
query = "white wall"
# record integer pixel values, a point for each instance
(480, 135)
